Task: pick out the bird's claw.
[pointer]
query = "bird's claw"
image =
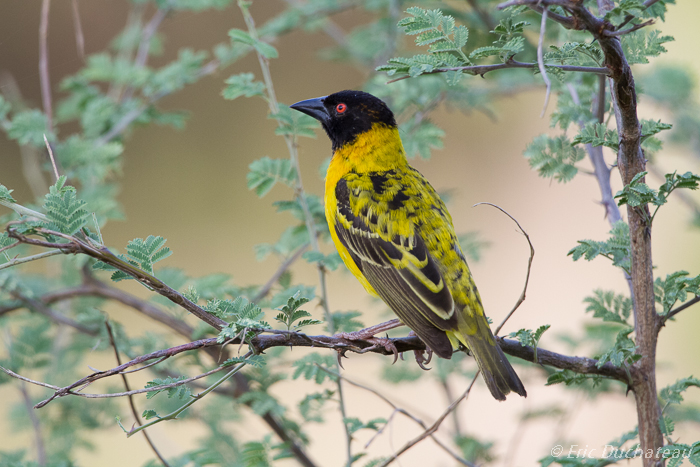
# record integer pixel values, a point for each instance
(379, 342)
(421, 360)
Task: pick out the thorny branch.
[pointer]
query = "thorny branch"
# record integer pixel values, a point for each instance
(280, 338)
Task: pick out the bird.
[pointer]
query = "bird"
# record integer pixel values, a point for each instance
(395, 234)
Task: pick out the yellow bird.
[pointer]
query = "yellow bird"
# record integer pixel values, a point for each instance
(394, 233)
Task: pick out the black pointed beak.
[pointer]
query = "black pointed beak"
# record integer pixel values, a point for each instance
(313, 108)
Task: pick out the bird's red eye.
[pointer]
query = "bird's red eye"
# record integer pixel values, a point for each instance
(341, 108)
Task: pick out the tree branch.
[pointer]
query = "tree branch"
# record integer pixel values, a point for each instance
(481, 70)
(680, 308)
(631, 162)
(76, 246)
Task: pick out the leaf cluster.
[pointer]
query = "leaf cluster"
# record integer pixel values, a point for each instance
(140, 253)
(675, 287)
(616, 248)
(290, 314)
(530, 338)
(180, 392)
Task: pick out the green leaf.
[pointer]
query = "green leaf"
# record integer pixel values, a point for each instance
(331, 261)
(5, 194)
(257, 361)
(66, 213)
(344, 321)
(616, 248)
(577, 53)
(29, 127)
(181, 392)
(554, 157)
(293, 123)
(675, 288)
(672, 394)
(310, 407)
(642, 44)
(609, 306)
(149, 414)
(597, 134)
(420, 139)
(255, 454)
(290, 313)
(530, 338)
(243, 84)
(354, 424)
(265, 173)
(263, 48)
(570, 378)
(622, 353)
(308, 367)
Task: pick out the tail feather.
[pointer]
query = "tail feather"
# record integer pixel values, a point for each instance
(499, 375)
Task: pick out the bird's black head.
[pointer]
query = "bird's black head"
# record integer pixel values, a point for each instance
(347, 114)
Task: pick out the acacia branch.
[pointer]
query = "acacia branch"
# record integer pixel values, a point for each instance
(75, 245)
(481, 70)
(263, 341)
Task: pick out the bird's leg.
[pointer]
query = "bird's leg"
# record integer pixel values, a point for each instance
(367, 334)
(421, 360)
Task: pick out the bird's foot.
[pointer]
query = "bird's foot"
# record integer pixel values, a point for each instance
(421, 359)
(368, 334)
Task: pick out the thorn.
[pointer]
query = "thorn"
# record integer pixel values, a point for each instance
(339, 354)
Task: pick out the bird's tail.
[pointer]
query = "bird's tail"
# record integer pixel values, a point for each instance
(499, 375)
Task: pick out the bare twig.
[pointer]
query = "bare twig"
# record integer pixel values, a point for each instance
(521, 299)
(629, 30)
(481, 70)
(27, 380)
(397, 409)
(540, 60)
(629, 18)
(680, 308)
(8, 247)
(36, 426)
(44, 64)
(53, 159)
(79, 37)
(433, 428)
(147, 34)
(132, 404)
(27, 259)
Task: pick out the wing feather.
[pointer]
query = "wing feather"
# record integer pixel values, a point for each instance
(401, 270)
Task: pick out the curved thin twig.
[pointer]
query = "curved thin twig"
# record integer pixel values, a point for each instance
(521, 299)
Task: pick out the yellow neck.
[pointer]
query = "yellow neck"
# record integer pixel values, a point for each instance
(376, 150)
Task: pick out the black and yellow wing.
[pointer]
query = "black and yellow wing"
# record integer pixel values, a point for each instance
(376, 221)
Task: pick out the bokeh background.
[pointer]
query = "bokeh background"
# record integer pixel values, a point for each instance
(190, 187)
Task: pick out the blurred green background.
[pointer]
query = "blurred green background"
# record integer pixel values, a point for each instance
(190, 187)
